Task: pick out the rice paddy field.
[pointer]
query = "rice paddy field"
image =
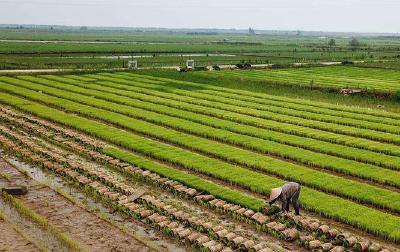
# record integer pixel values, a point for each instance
(337, 77)
(196, 161)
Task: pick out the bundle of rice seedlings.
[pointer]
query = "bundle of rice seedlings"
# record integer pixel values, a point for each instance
(375, 247)
(173, 225)
(216, 248)
(241, 211)
(249, 213)
(305, 221)
(114, 162)
(233, 208)
(177, 214)
(185, 217)
(148, 198)
(271, 224)
(199, 223)
(202, 239)
(180, 188)
(266, 250)
(162, 180)
(207, 226)
(327, 246)
(338, 249)
(247, 245)
(305, 239)
(275, 228)
(217, 228)
(220, 203)
(145, 213)
(222, 233)
(227, 207)
(162, 225)
(113, 195)
(313, 226)
(154, 176)
(323, 229)
(169, 209)
(193, 236)
(184, 233)
(213, 202)
(279, 227)
(102, 189)
(350, 241)
(295, 218)
(159, 219)
(314, 245)
(229, 238)
(290, 234)
(209, 244)
(206, 197)
(238, 240)
(341, 237)
(193, 219)
(333, 233)
(132, 206)
(257, 247)
(168, 182)
(362, 245)
(191, 192)
(83, 180)
(260, 218)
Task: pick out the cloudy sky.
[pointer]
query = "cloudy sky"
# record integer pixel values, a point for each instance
(316, 15)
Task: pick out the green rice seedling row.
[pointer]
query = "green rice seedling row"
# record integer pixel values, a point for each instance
(381, 80)
(235, 115)
(326, 182)
(174, 108)
(366, 171)
(372, 219)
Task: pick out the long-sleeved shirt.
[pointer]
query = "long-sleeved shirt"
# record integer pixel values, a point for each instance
(288, 190)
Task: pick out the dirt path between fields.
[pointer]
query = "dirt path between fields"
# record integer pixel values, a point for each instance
(225, 67)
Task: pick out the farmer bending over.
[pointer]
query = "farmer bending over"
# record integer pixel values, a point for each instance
(286, 193)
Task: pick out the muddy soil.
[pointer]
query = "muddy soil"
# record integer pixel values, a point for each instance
(11, 240)
(88, 230)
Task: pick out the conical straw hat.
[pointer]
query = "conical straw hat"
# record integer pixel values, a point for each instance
(275, 192)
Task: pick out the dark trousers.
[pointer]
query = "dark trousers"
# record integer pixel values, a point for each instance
(295, 202)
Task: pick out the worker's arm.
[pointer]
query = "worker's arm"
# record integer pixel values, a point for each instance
(273, 201)
(283, 207)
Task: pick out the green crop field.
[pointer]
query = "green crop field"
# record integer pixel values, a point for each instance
(238, 144)
(71, 49)
(372, 79)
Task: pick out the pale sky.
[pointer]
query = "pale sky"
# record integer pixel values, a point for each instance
(310, 15)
